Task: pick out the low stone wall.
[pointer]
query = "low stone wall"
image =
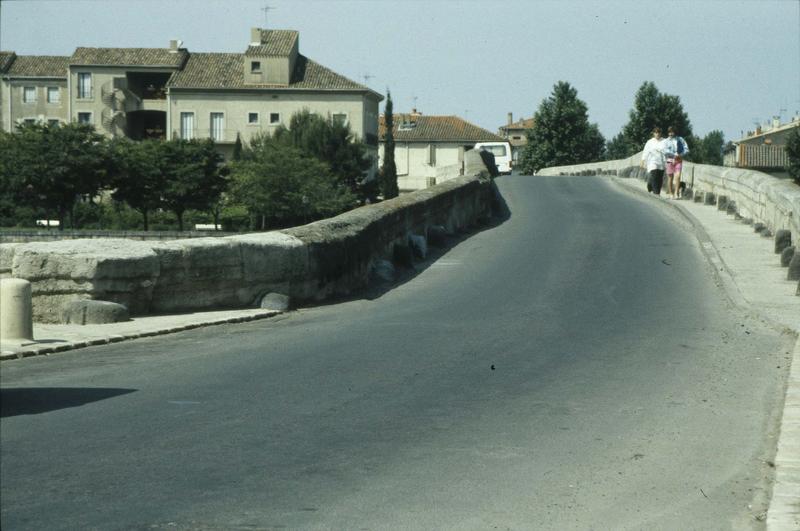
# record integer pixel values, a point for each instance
(761, 197)
(311, 262)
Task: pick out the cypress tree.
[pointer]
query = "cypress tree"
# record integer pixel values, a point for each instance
(389, 170)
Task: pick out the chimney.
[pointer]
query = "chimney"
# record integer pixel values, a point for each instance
(175, 45)
(510, 118)
(255, 36)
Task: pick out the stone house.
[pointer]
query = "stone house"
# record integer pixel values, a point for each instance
(430, 149)
(175, 93)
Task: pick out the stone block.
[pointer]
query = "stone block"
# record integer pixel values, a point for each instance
(783, 239)
(88, 311)
(709, 198)
(786, 256)
(722, 202)
(384, 270)
(115, 270)
(275, 301)
(731, 210)
(419, 246)
(794, 268)
(437, 236)
(759, 227)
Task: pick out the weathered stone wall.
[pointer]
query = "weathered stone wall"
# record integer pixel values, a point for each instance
(311, 262)
(766, 199)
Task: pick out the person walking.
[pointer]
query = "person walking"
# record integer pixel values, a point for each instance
(675, 148)
(653, 159)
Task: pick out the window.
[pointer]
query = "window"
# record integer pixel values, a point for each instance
(53, 123)
(432, 154)
(274, 118)
(53, 95)
(255, 67)
(187, 125)
(84, 85)
(252, 118)
(217, 126)
(84, 117)
(29, 95)
(339, 118)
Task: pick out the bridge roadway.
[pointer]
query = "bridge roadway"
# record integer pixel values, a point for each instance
(573, 366)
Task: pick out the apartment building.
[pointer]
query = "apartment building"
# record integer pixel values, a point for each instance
(174, 93)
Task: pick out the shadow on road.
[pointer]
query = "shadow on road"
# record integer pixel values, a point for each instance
(35, 400)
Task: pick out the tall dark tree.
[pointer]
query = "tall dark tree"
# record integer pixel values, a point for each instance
(388, 174)
(652, 109)
(561, 133)
(237, 148)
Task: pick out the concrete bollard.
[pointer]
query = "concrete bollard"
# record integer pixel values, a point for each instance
(722, 202)
(709, 198)
(794, 268)
(16, 309)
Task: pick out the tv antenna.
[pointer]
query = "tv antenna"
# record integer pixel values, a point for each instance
(414, 99)
(367, 77)
(266, 9)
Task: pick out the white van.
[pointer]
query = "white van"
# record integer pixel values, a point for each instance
(501, 152)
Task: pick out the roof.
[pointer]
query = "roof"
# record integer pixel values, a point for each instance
(226, 70)
(274, 43)
(158, 57)
(6, 58)
(524, 123)
(36, 65)
(436, 129)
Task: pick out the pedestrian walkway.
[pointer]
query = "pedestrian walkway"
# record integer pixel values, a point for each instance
(746, 266)
(753, 278)
(53, 338)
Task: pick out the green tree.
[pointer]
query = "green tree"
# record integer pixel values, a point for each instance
(388, 174)
(50, 166)
(652, 109)
(793, 154)
(194, 177)
(561, 133)
(331, 141)
(708, 150)
(282, 186)
(139, 175)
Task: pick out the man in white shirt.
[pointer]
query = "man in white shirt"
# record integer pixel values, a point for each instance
(653, 158)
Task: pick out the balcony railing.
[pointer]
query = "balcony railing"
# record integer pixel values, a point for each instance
(221, 136)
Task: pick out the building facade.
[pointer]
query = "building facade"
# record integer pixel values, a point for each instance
(428, 148)
(174, 93)
(515, 134)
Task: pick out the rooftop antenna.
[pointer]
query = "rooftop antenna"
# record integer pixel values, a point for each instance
(266, 9)
(367, 77)
(414, 98)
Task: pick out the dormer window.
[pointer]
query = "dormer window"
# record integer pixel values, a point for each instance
(255, 67)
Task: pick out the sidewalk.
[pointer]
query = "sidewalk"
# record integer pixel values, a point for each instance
(751, 274)
(746, 266)
(52, 338)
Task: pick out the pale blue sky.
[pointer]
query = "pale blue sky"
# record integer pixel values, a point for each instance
(731, 62)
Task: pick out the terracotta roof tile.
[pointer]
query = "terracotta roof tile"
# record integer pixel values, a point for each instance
(162, 57)
(275, 43)
(436, 129)
(39, 66)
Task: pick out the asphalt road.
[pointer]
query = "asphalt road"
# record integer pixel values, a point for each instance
(573, 366)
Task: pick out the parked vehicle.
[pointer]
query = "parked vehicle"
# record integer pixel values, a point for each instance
(501, 152)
